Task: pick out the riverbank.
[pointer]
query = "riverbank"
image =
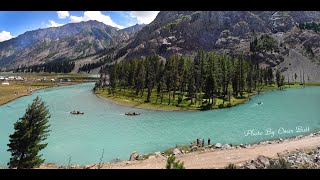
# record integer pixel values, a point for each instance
(30, 82)
(124, 100)
(15, 91)
(214, 156)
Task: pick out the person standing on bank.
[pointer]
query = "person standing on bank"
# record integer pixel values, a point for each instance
(203, 142)
(208, 141)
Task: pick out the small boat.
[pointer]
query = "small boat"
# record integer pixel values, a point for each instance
(132, 113)
(76, 112)
(259, 103)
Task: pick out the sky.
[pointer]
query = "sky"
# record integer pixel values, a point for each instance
(15, 23)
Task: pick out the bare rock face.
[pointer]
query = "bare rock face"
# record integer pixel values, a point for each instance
(230, 32)
(134, 156)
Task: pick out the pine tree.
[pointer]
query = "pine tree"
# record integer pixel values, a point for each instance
(140, 81)
(191, 80)
(160, 82)
(151, 70)
(278, 78)
(241, 76)
(249, 77)
(25, 143)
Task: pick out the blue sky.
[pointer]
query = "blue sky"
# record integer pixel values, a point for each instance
(14, 23)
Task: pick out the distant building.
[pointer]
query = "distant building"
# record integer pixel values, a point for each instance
(1, 77)
(19, 78)
(52, 80)
(5, 83)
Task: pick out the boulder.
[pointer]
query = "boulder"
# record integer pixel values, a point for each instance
(194, 148)
(250, 166)
(134, 156)
(177, 151)
(158, 153)
(226, 146)
(263, 160)
(218, 145)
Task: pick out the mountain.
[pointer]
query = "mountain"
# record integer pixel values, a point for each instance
(231, 32)
(71, 41)
(132, 29)
(281, 40)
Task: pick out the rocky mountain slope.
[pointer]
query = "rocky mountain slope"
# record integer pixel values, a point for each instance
(231, 32)
(281, 43)
(71, 41)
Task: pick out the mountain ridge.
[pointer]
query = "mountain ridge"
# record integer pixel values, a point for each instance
(70, 41)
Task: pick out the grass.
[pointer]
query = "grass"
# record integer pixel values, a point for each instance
(128, 98)
(18, 89)
(313, 84)
(170, 151)
(48, 75)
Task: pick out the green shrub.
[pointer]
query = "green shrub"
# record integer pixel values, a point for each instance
(221, 106)
(280, 164)
(173, 164)
(230, 166)
(228, 105)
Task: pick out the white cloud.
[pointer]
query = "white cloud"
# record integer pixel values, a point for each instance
(4, 35)
(63, 14)
(144, 17)
(76, 19)
(54, 24)
(95, 15)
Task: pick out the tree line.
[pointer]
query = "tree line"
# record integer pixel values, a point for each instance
(206, 77)
(265, 43)
(88, 67)
(310, 26)
(56, 66)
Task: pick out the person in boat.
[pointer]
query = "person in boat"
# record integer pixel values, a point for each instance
(259, 103)
(132, 113)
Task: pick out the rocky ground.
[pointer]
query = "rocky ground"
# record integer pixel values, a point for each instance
(298, 159)
(296, 152)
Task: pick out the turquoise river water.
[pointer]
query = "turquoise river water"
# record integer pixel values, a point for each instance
(105, 126)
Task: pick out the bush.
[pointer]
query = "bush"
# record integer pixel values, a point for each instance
(179, 99)
(221, 106)
(231, 166)
(280, 164)
(228, 105)
(173, 164)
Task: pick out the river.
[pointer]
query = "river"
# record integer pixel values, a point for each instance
(104, 125)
